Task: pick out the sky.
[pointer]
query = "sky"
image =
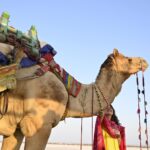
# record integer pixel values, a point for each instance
(84, 33)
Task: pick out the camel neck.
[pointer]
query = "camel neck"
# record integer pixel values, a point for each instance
(81, 106)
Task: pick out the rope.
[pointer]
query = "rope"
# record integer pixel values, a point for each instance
(145, 109)
(103, 96)
(81, 133)
(92, 116)
(139, 111)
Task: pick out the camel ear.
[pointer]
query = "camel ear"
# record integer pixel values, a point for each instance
(115, 52)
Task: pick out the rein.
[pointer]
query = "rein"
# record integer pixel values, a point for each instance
(139, 110)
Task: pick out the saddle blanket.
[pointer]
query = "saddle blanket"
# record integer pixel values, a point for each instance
(71, 84)
(47, 53)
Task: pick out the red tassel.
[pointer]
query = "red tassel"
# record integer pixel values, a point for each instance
(146, 142)
(138, 111)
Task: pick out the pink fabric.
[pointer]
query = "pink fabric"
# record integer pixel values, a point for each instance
(98, 143)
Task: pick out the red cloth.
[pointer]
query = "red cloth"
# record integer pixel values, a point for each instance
(48, 57)
(98, 143)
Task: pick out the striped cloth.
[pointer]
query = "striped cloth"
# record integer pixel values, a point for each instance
(71, 84)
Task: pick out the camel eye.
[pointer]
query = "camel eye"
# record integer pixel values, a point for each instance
(130, 60)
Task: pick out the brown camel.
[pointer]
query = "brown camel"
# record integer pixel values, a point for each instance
(37, 105)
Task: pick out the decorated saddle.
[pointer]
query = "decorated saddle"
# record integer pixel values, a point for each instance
(36, 55)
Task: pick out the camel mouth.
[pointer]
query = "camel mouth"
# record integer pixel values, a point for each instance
(144, 64)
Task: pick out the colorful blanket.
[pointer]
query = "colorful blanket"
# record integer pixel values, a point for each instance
(47, 53)
(71, 84)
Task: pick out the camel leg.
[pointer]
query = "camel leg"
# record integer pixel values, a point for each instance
(12, 142)
(39, 140)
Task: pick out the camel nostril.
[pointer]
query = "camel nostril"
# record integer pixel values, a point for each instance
(144, 64)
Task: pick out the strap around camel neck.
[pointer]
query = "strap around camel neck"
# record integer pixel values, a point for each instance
(98, 90)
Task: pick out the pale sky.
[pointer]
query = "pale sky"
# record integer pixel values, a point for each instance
(84, 32)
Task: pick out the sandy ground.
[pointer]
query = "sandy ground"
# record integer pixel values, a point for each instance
(75, 147)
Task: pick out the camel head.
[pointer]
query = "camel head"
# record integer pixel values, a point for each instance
(126, 65)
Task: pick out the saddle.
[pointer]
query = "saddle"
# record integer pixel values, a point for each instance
(44, 57)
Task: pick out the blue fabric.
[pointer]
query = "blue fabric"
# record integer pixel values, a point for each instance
(3, 59)
(66, 79)
(47, 49)
(27, 62)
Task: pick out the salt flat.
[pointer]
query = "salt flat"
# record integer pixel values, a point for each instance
(75, 147)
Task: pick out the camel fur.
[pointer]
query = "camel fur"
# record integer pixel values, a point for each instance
(37, 105)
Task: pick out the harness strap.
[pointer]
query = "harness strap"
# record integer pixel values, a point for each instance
(42, 70)
(98, 90)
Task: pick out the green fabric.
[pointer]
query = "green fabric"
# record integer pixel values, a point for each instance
(7, 82)
(8, 77)
(5, 15)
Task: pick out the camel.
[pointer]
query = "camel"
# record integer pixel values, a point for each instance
(37, 105)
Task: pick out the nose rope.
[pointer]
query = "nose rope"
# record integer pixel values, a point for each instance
(145, 108)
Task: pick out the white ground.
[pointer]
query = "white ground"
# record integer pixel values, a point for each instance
(75, 147)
